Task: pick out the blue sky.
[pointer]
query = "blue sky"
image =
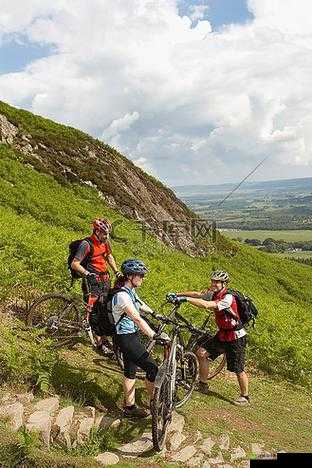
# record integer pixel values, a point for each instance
(220, 12)
(17, 52)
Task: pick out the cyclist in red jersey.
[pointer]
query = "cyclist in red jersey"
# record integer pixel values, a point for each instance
(96, 277)
(231, 337)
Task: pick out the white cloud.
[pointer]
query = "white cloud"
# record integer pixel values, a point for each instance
(189, 104)
(119, 125)
(198, 12)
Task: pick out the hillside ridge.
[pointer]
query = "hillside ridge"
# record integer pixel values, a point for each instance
(71, 156)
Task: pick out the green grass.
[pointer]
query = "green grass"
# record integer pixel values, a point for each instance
(39, 217)
(271, 401)
(291, 235)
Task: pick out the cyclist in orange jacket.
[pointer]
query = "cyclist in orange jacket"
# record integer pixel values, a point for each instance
(97, 255)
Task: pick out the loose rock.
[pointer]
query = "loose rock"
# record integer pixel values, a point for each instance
(89, 411)
(224, 442)
(237, 453)
(107, 458)
(115, 424)
(25, 398)
(41, 422)
(138, 447)
(14, 413)
(103, 422)
(257, 449)
(48, 405)
(177, 422)
(84, 430)
(7, 130)
(65, 418)
(207, 445)
(183, 455)
(175, 440)
(62, 425)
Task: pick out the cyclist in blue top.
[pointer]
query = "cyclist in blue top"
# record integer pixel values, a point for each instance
(126, 309)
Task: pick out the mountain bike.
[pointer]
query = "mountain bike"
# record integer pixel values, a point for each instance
(61, 318)
(175, 379)
(197, 336)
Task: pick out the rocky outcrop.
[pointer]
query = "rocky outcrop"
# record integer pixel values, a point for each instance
(8, 131)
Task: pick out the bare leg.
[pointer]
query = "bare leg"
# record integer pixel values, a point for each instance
(202, 356)
(243, 383)
(129, 391)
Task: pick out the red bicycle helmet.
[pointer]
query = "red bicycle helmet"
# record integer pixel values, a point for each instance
(102, 225)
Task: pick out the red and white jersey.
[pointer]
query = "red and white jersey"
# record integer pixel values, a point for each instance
(227, 316)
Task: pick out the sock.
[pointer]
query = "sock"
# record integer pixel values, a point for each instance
(245, 396)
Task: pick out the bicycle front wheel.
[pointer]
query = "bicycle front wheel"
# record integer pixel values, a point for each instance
(186, 378)
(215, 366)
(57, 315)
(161, 411)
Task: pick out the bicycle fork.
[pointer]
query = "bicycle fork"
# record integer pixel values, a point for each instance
(88, 330)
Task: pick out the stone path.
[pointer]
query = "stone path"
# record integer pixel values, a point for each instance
(73, 427)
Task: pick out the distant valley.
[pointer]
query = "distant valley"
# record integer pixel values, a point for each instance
(269, 205)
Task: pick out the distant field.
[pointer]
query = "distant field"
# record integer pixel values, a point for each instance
(306, 254)
(291, 235)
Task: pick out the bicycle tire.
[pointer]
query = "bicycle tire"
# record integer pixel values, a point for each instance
(216, 366)
(58, 315)
(187, 375)
(161, 410)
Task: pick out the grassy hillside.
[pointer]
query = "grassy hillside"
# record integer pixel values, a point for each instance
(39, 217)
(72, 156)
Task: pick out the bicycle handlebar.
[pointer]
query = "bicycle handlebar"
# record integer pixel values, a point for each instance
(169, 321)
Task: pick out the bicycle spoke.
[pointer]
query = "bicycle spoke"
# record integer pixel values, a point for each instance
(187, 373)
(57, 315)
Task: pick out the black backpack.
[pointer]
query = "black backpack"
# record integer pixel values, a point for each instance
(73, 249)
(246, 308)
(101, 318)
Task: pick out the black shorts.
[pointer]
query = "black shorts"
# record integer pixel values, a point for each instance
(234, 351)
(135, 355)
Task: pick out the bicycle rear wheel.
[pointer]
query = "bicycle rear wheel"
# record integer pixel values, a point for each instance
(161, 411)
(215, 366)
(57, 315)
(186, 378)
